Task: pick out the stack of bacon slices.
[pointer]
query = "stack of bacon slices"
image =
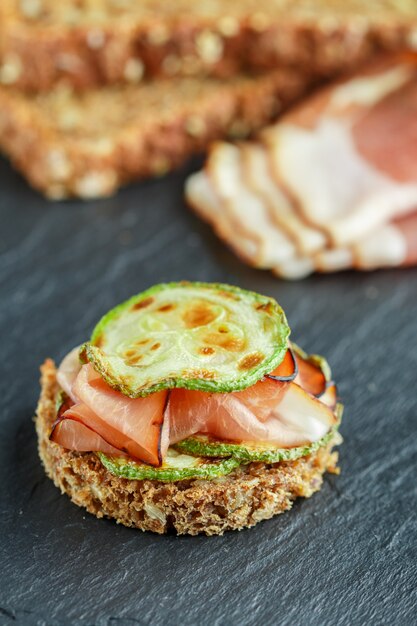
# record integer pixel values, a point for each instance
(331, 186)
(293, 406)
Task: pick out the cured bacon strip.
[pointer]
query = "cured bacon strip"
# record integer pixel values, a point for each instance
(324, 179)
(256, 173)
(339, 143)
(224, 172)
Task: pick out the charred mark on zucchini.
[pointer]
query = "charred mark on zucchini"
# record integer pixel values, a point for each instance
(200, 373)
(98, 342)
(232, 344)
(200, 314)
(267, 307)
(250, 361)
(142, 304)
(207, 350)
(134, 360)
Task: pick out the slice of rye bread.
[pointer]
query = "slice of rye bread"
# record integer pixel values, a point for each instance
(241, 499)
(88, 144)
(105, 41)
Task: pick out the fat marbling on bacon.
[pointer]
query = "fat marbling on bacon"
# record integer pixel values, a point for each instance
(332, 185)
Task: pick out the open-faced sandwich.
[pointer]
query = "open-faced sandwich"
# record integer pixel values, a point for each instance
(189, 409)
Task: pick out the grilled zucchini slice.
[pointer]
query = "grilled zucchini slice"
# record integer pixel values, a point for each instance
(176, 466)
(202, 445)
(208, 337)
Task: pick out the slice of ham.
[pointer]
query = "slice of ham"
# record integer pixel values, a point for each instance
(74, 435)
(329, 396)
(136, 426)
(310, 377)
(287, 370)
(68, 372)
(392, 245)
(272, 411)
(70, 429)
(347, 197)
(296, 418)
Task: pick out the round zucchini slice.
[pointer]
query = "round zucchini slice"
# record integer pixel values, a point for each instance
(202, 445)
(202, 336)
(176, 466)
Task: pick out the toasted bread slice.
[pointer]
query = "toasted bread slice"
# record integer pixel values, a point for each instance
(88, 144)
(247, 495)
(105, 41)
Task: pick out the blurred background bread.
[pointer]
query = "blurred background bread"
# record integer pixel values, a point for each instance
(94, 93)
(88, 144)
(93, 42)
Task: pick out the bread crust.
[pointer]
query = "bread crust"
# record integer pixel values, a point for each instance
(44, 46)
(239, 500)
(87, 145)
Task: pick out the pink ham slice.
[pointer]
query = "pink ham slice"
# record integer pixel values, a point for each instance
(272, 411)
(264, 396)
(407, 228)
(74, 435)
(68, 372)
(310, 377)
(329, 396)
(297, 418)
(69, 429)
(137, 427)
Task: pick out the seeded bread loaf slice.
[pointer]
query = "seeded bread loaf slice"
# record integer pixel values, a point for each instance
(246, 496)
(96, 42)
(88, 144)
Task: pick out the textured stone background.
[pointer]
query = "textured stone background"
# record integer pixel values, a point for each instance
(347, 556)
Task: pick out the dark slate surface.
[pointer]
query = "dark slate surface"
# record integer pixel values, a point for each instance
(347, 556)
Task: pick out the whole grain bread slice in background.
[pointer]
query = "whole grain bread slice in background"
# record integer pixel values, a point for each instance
(88, 144)
(92, 42)
(248, 495)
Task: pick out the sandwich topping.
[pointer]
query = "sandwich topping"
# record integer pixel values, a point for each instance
(223, 386)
